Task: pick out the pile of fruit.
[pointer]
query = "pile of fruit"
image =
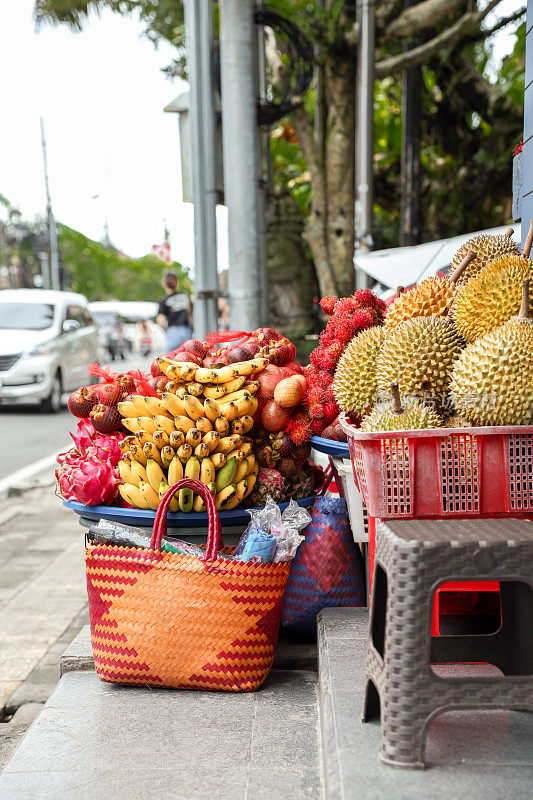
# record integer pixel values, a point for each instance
(231, 416)
(453, 351)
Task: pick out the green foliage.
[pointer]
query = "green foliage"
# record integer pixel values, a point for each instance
(103, 274)
(289, 169)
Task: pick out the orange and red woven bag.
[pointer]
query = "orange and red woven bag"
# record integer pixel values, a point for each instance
(170, 620)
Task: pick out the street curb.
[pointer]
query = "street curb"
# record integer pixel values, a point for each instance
(24, 479)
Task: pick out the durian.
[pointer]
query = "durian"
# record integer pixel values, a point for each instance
(492, 380)
(392, 415)
(492, 297)
(418, 355)
(432, 298)
(487, 247)
(354, 383)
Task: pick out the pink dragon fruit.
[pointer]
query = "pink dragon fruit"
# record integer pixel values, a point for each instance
(87, 479)
(100, 445)
(269, 482)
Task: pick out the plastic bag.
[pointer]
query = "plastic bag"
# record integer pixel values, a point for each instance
(273, 536)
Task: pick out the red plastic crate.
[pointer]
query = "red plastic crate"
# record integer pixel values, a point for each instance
(448, 472)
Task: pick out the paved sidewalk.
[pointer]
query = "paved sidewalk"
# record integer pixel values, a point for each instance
(43, 604)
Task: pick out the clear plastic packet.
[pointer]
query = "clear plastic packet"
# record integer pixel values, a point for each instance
(271, 535)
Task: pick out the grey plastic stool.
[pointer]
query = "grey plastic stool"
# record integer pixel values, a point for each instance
(413, 558)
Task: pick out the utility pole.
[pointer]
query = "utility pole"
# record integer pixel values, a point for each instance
(410, 169)
(364, 134)
(52, 228)
(199, 25)
(242, 163)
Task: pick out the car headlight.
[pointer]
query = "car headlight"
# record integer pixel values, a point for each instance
(43, 349)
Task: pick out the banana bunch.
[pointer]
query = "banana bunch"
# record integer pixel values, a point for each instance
(197, 429)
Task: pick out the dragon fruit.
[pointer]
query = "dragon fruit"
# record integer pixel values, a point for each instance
(269, 482)
(87, 479)
(89, 442)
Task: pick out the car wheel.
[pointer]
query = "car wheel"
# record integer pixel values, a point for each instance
(52, 403)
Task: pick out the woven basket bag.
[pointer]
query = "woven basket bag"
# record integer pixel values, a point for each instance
(171, 620)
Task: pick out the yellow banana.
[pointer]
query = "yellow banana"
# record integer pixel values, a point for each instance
(150, 495)
(226, 475)
(250, 481)
(176, 439)
(210, 375)
(154, 474)
(192, 468)
(229, 443)
(201, 450)
(193, 437)
(165, 363)
(242, 424)
(124, 470)
(173, 506)
(231, 410)
(184, 453)
(207, 471)
(237, 395)
(238, 455)
(161, 439)
(132, 495)
(193, 407)
(242, 470)
(195, 388)
(188, 371)
(224, 496)
(181, 391)
(167, 454)
(241, 487)
(246, 406)
(186, 496)
(183, 423)
(175, 471)
(211, 409)
(140, 405)
(203, 425)
(219, 390)
(163, 423)
(246, 447)
(151, 451)
(132, 424)
(198, 504)
(154, 405)
(173, 404)
(127, 409)
(251, 463)
(252, 386)
(218, 459)
(251, 367)
(222, 425)
(137, 453)
(138, 473)
(211, 439)
(143, 437)
(147, 424)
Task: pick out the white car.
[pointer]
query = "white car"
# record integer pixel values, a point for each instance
(47, 341)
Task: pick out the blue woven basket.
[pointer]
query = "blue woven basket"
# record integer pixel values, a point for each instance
(328, 569)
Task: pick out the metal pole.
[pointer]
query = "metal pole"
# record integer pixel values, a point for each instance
(242, 168)
(364, 146)
(52, 228)
(199, 24)
(410, 171)
(265, 184)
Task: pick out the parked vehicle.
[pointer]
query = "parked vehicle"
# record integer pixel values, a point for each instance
(131, 314)
(47, 341)
(113, 339)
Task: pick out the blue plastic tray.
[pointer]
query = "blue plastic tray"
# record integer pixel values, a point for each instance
(331, 447)
(131, 516)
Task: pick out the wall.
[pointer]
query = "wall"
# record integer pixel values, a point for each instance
(527, 157)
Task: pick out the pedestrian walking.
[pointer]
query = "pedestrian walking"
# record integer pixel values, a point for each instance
(174, 313)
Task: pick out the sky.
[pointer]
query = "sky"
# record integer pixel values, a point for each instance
(101, 93)
(112, 151)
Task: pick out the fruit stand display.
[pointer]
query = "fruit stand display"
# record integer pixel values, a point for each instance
(228, 416)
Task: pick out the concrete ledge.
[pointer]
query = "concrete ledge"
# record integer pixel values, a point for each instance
(479, 755)
(79, 655)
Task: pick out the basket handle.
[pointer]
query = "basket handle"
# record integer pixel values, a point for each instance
(214, 531)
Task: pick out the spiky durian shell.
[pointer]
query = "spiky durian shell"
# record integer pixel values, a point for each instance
(430, 299)
(492, 380)
(354, 383)
(457, 421)
(492, 297)
(419, 351)
(487, 248)
(415, 416)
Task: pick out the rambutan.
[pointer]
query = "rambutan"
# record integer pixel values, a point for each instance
(315, 396)
(327, 304)
(317, 412)
(363, 320)
(345, 306)
(325, 379)
(366, 299)
(299, 427)
(317, 426)
(326, 338)
(332, 355)
(311, 372)
(345, 328)
(317, 357)
(331, 410)
(330, 395)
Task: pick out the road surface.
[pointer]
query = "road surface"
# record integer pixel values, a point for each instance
(28, 435)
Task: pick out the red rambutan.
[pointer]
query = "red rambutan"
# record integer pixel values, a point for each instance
(315, 396)
(325, 379)
(317, 412)
(345, 306)
(326, 338)
(330, 395)
(331, 410)
(345, 328)
(299, 427)
(327, 304)
(366, 299)
(317, 357)
(363, 320)
(317, 426)
(332, 355)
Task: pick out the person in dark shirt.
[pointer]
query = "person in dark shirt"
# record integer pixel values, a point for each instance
(174, 313)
